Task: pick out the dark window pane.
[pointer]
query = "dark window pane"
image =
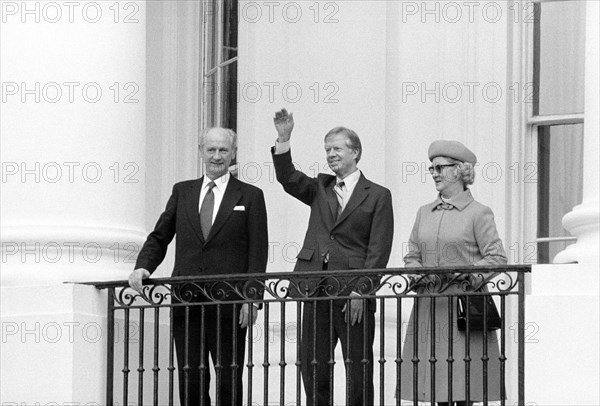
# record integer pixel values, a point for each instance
(219, 81)
(230, 29)
(229, 96)
(560, 182)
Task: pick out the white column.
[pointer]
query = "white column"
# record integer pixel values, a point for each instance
(73, 140)
(73, 188)
(583, 222)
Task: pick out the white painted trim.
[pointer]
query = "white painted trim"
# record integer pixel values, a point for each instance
(557, 119)
(555, 239)
(521, 197)
(104, 236)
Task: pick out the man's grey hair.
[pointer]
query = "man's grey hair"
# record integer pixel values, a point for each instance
(231, 133)
(353, 142)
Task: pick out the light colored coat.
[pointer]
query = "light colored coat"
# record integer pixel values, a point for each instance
(463, 234)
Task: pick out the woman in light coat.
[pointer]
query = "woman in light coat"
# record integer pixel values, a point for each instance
(454, 230)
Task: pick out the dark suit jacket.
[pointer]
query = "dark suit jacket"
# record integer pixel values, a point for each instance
(237, 243)
(361, 238)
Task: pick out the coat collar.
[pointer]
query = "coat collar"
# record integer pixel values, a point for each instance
(460, 201)
(192, 206)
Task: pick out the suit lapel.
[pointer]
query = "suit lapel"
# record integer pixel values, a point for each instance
(193, 207)
(360, 193)
(232, 195)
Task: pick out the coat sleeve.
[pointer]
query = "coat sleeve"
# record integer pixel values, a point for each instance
(413, 256)
(380, 242)
(487, 238)
(155, 248)
(294, 182)
(382, 233)
(258, 246)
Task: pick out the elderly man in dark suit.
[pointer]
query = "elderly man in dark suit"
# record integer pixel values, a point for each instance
(221, 227)
(351, 226)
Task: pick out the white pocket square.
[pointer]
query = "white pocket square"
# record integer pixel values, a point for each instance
(239, 208)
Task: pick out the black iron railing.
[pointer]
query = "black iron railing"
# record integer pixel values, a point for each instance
(423, 358)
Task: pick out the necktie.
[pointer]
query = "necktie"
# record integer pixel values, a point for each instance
(206, 210)
(340, 192)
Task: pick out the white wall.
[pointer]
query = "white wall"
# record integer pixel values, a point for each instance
(381, 57)
(562, 336)
(346, 61)
(438, 66)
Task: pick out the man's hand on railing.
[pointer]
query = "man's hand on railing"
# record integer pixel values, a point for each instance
(356, 309)
(136, 278)
(248, 318)
(477, 279)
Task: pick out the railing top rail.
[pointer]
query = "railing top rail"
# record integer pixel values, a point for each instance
(519, 268)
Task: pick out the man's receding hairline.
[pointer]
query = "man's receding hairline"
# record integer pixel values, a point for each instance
(226, 131)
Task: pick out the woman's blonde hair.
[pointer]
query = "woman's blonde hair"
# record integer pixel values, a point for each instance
(466, 170)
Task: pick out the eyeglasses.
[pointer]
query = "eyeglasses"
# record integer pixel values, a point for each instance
(439, 168)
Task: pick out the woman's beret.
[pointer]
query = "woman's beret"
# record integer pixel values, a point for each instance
(451, 149)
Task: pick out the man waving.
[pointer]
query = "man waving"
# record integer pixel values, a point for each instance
(350, 227)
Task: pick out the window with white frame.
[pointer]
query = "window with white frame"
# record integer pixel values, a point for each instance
(218, 78)
(557, 118)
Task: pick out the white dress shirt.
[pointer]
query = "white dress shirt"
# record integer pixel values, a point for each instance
(218, 191)
(350, 182)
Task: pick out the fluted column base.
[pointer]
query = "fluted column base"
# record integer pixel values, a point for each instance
(50, 255)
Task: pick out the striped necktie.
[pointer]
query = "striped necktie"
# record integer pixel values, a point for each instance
(340, 192)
